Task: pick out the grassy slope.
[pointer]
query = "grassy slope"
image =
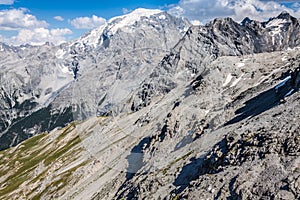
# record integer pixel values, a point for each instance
(29, 165)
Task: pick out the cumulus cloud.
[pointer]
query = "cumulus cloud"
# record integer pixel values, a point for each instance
(87, 22)
(39, 36)
(6, 2)
(206, 10)
(16, 19)
(59, 18)
(29, 29)
(296, 5)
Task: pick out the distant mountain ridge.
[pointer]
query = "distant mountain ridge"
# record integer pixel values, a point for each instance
(43, 76)
(105, 47)
(221, 37)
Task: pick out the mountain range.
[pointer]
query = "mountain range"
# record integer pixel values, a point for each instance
(148, 106)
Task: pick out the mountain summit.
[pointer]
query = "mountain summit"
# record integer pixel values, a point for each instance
(128, 23)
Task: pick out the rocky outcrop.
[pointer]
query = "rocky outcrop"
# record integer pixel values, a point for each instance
(221, 37)
(258, 160)
(195, 153)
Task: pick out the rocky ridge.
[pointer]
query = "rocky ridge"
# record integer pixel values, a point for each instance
(221, 37)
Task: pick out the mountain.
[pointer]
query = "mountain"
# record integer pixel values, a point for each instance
(204, 44)
(49, 86)
(130, 23)
(159, 113)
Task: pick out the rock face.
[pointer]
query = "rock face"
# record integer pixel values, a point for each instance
(221, 37)
(59, 84)
(31, 77)
(215, 118)
(234, 136)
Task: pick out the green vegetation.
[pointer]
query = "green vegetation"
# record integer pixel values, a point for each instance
(27, 162)
(177, 160)
(61, 182)
(67, 130)
(61, 151)
(18, 164)
(28, 104)
(30, 143)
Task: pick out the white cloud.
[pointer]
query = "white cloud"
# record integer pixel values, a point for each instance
(206, 10)
(87, 22)
(6, 2)
(59, 18)
(296, 5)
(39, 36)
(29, 29)
(16, 19)
(196, 22)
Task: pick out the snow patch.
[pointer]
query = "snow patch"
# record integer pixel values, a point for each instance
(276, 22)
(227, 80)
(92, 38)
(60, 54)
(65, 69)
(275, 25)
(240, 65)
(236, 81)
(162, 17)
(289, 93)
(282, 82)
(196, 22)
(206, 112)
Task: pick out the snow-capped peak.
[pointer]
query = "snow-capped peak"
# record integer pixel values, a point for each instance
(135, 15)
(276, 22)
(280, 20)
(92, 38)
(129, 19)
(114, 24)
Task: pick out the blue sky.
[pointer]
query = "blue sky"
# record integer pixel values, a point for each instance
(70, 9)
(37, 21)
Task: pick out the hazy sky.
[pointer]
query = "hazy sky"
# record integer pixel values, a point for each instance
(22, 21)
